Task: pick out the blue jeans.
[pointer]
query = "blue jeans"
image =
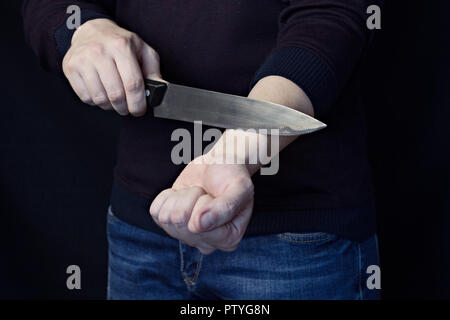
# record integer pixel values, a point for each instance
(145, 265)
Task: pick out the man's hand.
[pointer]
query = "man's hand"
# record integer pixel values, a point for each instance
(106, 66)
(208, 207)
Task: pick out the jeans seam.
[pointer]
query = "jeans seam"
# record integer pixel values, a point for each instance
(181, 258)
(284, 238)
(361, 296)
(304, 241)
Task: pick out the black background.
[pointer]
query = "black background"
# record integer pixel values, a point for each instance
(57, 156)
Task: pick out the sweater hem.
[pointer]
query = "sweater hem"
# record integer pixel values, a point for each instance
(354, 223)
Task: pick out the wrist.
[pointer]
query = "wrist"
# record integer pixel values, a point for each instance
(239, 147)
(210, 158)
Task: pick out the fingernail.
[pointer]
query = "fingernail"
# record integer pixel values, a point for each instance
(207, 221)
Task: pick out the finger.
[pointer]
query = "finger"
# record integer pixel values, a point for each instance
(110, 77)
(203, 203)
(228, 236)
(167, 209)
(164, 218)
(225, 237)
(241, 220)
(175, 213)
(158, 202)
(77, 84)
(171, 220)
(224, 207)
(133, 82)
(150, 63)
(95, 88)
(185, 202)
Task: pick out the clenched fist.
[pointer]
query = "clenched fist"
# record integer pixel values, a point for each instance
(208, 207)
(106, 66)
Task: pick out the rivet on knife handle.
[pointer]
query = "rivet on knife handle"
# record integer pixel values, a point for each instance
(154, 91)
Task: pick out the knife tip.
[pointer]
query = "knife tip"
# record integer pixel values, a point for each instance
(289, 131)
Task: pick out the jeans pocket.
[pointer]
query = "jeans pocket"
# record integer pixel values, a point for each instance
(304, 238)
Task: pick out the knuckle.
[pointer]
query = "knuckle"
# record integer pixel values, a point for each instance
(86, 99)
(78, 61)
(139, 113)
(132, 36)
(122, 42)
(96, 51)
(100, 99)
(154, 214)
(68, 65)
(121, 110)
(134, 85)
(165, 220)
(179, 218)
(137, 110)
(116, 95)
(106, 107)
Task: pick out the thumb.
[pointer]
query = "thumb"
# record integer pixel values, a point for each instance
(150, 63)
(223, 208)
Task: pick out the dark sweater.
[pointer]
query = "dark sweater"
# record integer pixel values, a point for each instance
(324, 179)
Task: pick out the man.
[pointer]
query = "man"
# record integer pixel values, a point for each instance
(307, 232)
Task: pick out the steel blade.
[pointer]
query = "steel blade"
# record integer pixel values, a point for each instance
(232, 112)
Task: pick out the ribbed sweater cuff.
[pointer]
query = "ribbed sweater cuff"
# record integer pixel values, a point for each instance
(306, 70)
(63, 35)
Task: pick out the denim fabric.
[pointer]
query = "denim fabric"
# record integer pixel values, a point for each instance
(145, 265)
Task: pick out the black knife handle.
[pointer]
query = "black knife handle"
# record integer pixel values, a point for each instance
(154, 91)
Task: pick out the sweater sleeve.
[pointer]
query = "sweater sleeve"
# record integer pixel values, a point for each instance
(318, 46)
(46, 30)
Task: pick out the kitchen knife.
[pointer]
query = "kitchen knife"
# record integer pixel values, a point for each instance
(176, 102)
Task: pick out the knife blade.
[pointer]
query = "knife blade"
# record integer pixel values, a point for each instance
(176, 102)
